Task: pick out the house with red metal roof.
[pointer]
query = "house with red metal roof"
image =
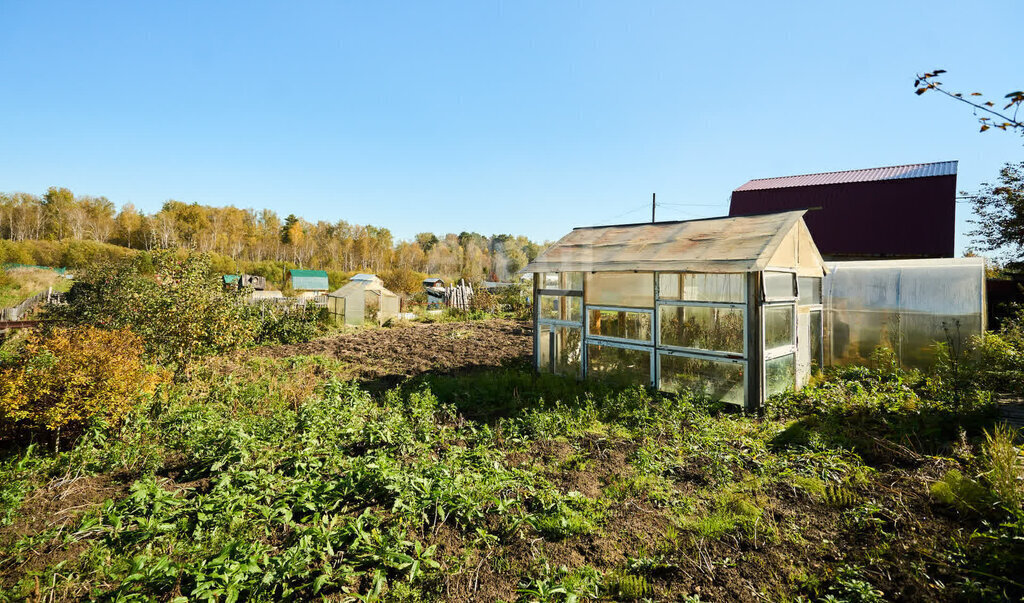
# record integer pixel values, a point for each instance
(903, 211)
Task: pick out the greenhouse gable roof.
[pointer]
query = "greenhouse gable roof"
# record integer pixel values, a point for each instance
(729, 244)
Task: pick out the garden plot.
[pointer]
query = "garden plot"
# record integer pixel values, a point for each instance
(412, 349)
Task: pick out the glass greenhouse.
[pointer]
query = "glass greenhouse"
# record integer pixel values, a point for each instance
(729, 307)
(905, 305)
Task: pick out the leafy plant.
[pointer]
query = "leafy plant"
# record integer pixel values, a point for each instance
(960, 491)
(68, 377)
(1004, 465)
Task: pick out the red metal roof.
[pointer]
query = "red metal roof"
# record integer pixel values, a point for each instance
(896, 172)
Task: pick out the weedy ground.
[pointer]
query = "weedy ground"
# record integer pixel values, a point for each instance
(281, 480)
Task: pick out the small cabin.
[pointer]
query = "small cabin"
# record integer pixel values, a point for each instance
(434, 288)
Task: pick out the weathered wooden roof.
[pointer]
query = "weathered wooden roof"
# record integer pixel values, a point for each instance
(731, 244)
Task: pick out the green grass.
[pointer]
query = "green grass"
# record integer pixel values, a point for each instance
(19, 284)
(266, 479)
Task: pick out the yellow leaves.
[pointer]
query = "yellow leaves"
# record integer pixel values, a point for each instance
(72, 375)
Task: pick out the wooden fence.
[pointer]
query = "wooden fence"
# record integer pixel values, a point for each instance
(25, 307)
(459, 296)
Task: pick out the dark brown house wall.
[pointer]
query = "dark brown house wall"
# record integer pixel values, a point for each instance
(910, 217)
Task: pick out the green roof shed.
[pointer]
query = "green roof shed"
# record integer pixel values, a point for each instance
(309, 280)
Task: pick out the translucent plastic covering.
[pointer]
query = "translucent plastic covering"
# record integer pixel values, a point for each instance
(906, 305)
(716, 379)
(619, 364)
(701, 327)
(633, 289)
(705, 287)
(621, 324)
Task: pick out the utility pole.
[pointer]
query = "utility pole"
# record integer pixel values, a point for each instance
(654, 196)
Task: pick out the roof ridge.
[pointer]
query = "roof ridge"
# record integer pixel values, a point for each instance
(667, 222)
(879, 167)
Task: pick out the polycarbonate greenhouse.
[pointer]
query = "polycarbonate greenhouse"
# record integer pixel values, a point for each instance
(905, 305)
(728, 307)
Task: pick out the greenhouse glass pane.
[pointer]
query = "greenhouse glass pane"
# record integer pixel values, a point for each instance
(572, 281)
(550, 306)
(565, 307)
(715, 287)
(670, 285)
(620, 323)
(634, 289)
(705, 287)
(717, 380)
(568, 351)
(810, 290)
(778, 326)
(780, 374)
(544, 349)
(549, 280)
(815, 340)
(701, 327)
(619, 364)
(779, 285)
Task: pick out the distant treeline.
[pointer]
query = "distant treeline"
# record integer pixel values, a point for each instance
(62, 229)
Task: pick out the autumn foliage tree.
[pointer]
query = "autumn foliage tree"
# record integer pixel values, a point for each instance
(169, 300)
(1000, 211)
(63, 379)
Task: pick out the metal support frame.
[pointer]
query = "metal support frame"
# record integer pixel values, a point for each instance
(755, 344)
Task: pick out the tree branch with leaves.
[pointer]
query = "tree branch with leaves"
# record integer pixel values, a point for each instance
(1001, 118)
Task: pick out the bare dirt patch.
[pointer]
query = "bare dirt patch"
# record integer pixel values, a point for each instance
(60, 504)
(411, 349)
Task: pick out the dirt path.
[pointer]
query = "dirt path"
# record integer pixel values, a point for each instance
(412, 349)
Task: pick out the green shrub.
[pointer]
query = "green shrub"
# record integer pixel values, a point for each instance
(960, 491)
(179, 311)
(296, 325)
(1004, 464)
(66, 378)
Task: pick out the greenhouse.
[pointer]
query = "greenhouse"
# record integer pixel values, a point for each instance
(363, 298)
(904, 305)
(727, 307)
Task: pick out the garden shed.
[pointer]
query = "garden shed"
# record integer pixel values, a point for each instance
(363, 298)
(308, 283)
(729, 307)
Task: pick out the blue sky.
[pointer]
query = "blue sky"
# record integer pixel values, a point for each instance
(520, 117)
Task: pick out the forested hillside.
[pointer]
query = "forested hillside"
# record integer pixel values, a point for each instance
(253, 240)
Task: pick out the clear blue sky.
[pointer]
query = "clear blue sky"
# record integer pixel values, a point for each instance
(526, 117)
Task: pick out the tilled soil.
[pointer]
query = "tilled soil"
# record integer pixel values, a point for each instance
(411, 349)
